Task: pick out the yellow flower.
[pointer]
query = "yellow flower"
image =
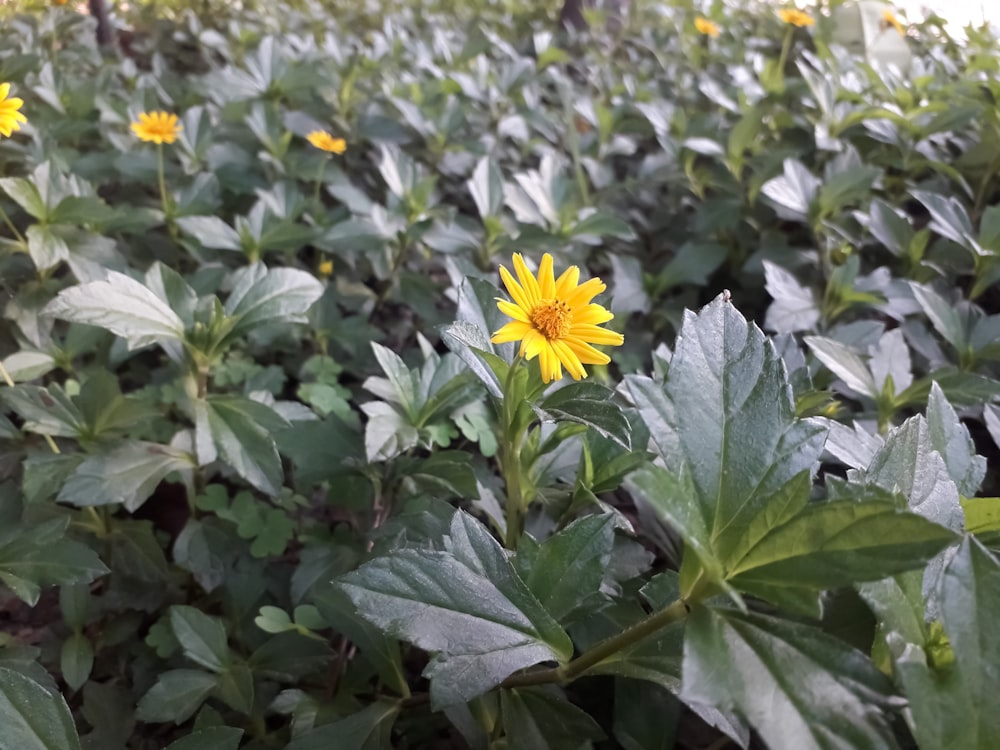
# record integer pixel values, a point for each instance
(554, 319)
(326, 142)
(10, 118)
(157, 127)
(325, 268)
(889, 19)
(796, 17)
(706, 27)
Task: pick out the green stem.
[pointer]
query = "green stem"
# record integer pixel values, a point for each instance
(675, 612)
(511, 458)
(13, 229)
(164, 199)
(319, 179)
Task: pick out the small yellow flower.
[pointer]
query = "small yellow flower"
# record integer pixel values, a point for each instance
(796, 17)
(325, 268)
(10, 118)
(706, 27)
(157, 127)
(326, 142)
(554, 319)
(889, 19)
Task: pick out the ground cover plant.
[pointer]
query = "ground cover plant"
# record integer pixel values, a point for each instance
(377, 378)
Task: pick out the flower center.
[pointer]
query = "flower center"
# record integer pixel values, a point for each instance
(552, 318)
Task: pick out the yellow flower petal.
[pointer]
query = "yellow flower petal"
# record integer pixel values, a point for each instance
(513, 331)
(567, 281)
(587, 354)
(527, 279)
(515, 311)
(585, 292)
(595, 335)
(546, 278)
(157, 127)
(515, 290)
(569, 359)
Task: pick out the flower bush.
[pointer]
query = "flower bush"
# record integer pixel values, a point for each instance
(282, 465)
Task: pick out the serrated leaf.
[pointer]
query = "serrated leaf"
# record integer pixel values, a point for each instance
(794, 307)
(467, 604)
(543, 719)
(798, 686)
(845, 364)
(42, 556)
(240, 431)
(729, 437)
(175, 696)
(127, 475)
(202, 638)
(486, 186)
(839, 542)
(793, 191)
(951, 439)
(355, 732)
(261, 296)
(32, 717)
(568, 567)
(121, 305)
(211, 231)
(210, 738)
(590, 404)
(46, 248)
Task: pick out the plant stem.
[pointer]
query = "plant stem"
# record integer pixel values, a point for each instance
(13, 229)
(511, 457)
(676, 611)
(167, 211)
(319, 179)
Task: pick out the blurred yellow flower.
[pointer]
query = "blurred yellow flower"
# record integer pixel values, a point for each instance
(889, 19)
(157, 127)
(10, 118)
(325, 268)
(796, 17)
(554, 319)
(706, 27)
(326, 142)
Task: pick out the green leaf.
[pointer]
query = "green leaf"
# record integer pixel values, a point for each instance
(847, 187)
(726, 431)
(76, 660)
(951, 440)
(646, 716)
(175, 696)
(486, 186)
(127, 475)
(567, 568)
(542, 718)
(370, 727)
(591, 404)
(202, 638)
(600, 224)
(261, 296)
(982, 514)
(798, 686)
(212, 738)
(467, 604)
(970, 608)
(839, 542)
(949, 219)
(32, 717)
(908, 465)
(46, 248)
(47, 411)
(946, 317)
(42, 556)
(239, 431)
(889, 228)
(211, 231)
(121, 305)
(792, 192)
(795, 307)
(236, 688)
(382, 652)
(845, 364)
